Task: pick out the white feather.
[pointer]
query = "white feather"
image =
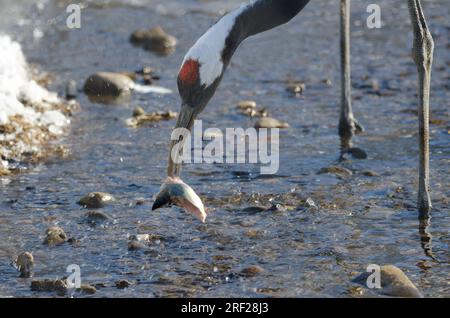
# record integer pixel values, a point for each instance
(208, 48)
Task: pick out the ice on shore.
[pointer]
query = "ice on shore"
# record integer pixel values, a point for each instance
(30, 115)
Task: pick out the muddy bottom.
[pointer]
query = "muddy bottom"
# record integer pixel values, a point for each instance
(262, 237)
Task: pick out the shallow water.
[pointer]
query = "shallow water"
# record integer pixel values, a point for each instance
(361, 220)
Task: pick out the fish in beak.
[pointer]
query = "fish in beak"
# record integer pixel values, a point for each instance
(175, 192)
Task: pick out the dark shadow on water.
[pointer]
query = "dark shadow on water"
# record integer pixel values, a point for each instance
(426, 238)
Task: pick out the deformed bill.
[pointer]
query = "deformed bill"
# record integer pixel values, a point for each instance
(175, 191)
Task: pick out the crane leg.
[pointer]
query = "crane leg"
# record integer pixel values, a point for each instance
(423, 49)
(348, 126)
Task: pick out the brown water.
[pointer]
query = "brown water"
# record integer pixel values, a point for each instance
(305, 252)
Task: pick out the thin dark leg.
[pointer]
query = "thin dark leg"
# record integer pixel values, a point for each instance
(348, 126)
(423, 49)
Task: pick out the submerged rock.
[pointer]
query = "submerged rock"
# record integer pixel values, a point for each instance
(143, 241)
(268, 122)
(339, 171)
(369, 173)
(60, 286)
(97, 216)
(394, 283)
(122, 284)
(96, 200)
(55, 236)
(24, 264)
(252, 271)
(155, 39)
(108, 84)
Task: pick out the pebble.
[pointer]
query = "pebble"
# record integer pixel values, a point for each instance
(268, 122)
(108, 84)
(140, 201)
(24, 264)
(369, 173)
(254, 234)
(252, 271)
(296, 88)
(138, 111)
(122, 284)
(146, 70)
(96, 200)
(71, 90)
(339, 171)
(55, 236)
(142, 241)
(60, 286)
(140, 117)
(246, 104)
(97, 216)
(394, 283)
(311, 204)
(357, 153)
(155, 39)
(249, 108)
(327, 82)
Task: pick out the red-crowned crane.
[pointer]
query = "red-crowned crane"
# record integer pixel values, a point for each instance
(206, 62)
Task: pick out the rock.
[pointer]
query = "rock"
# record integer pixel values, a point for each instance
(296, 88)
(327, 82)
(254, 234)
(87, 289)
(71, 90)
(122, 284)
(138, 242)
(356, 152)
(24, 264)
(255, 112)
(146, 70)
(138, 111)
(268, 122)
(97, 216)
(277, 207)
(143, 241)
(252, 271)
(131, 75)
(254, 209)
(246, 104)
(339, 171)
(108, 84)
(141, 118)
(55, 236)
(59, 286)
(136, 245)
(311, 204)
(248, 108)
(369, 173)
(394, 283)
(96, 200)
(148, 79)
(140, 201)
(73, 241)
(155, 39)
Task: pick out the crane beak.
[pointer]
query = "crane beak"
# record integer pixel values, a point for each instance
(175, 191)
